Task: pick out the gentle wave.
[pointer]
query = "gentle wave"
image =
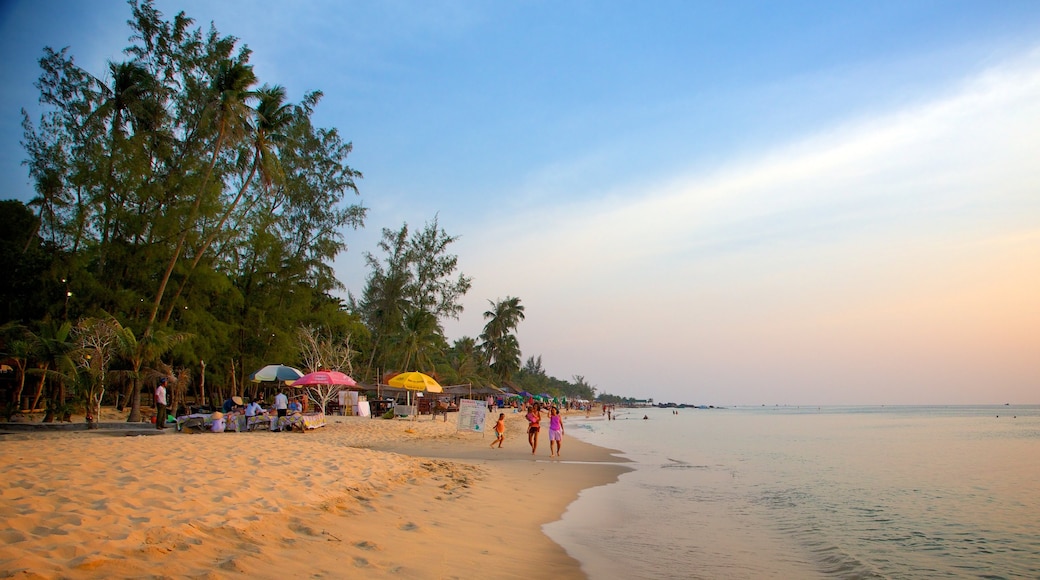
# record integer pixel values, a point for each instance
(864, 492)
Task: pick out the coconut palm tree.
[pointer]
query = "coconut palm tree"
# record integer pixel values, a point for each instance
(230, 112)
(52, 348)
(272, 117)
(466, 362)
(421, 340)
(499, 343)
(138, 352)
(132, 86)
(17, 348)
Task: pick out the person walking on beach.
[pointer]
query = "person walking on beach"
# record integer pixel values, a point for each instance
(555, 431)
(534, 421)
(160, 404)
(500, 431)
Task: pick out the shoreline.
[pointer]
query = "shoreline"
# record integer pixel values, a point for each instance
(411, 499)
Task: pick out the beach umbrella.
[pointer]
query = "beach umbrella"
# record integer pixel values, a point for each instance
(415, 381)
(331, 378)
(275, 374)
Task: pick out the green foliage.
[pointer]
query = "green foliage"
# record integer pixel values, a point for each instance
(196, 212)
(499, 343)
(407, 294)
(178, 196)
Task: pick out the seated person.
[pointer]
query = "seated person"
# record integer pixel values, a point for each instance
(253, 409)
(230, 404)
(295, 406)
(218, 423)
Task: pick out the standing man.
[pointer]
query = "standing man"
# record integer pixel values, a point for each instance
(281, 404)
(160, 404)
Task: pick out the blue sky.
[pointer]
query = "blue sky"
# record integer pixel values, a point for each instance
(707, 202)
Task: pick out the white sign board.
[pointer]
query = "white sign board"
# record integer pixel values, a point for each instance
(471, 415)
(363, 409)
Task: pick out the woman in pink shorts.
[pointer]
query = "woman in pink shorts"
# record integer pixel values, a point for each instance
(555, 431)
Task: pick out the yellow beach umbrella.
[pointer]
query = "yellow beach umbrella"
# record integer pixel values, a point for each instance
(416, 381)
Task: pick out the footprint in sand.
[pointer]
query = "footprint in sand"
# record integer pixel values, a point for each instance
(302, 529)
(11, 537)
(409, 527)
(365, 545)
(231, 566)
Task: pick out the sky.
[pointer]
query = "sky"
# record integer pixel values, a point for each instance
(724, 203)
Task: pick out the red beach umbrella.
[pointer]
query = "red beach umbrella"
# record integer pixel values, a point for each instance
(330, 378)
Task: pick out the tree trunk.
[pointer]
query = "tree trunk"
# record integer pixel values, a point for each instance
(39, 390)
(181, 241)
(202, 383)
(209, 240)
(21, 387)
(135, 404)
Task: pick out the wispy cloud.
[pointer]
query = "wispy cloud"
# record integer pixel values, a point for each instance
(864, 220)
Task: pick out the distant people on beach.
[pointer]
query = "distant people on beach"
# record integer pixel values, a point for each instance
(231, 404)
(555, 431)
(500, 431)
(219, 423)
(253, 409)
(534, 425)
(281, 407)
(160, 404)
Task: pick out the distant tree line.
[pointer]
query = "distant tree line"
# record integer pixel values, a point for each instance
(184, 224)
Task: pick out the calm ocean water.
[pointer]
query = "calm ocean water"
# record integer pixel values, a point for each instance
(832, 492)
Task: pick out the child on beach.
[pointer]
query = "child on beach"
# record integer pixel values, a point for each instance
(534, 420)
(500, 431)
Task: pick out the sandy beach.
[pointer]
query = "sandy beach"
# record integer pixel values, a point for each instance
(382, 498)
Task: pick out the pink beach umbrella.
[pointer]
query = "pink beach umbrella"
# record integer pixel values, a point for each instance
(331, 378)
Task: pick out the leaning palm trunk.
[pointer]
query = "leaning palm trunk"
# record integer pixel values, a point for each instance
(39, 389)
(210, 238)
(21, 387)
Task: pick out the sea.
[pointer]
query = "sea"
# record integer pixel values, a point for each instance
(812, 492)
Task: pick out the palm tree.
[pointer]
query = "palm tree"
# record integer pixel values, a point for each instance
(138, 352)
(421, 340)
(273, 116)
(52, 349)
(466, 362)
(230, 89)
(506, 361)
(499, 344)
(18, 349)
(132, 85)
